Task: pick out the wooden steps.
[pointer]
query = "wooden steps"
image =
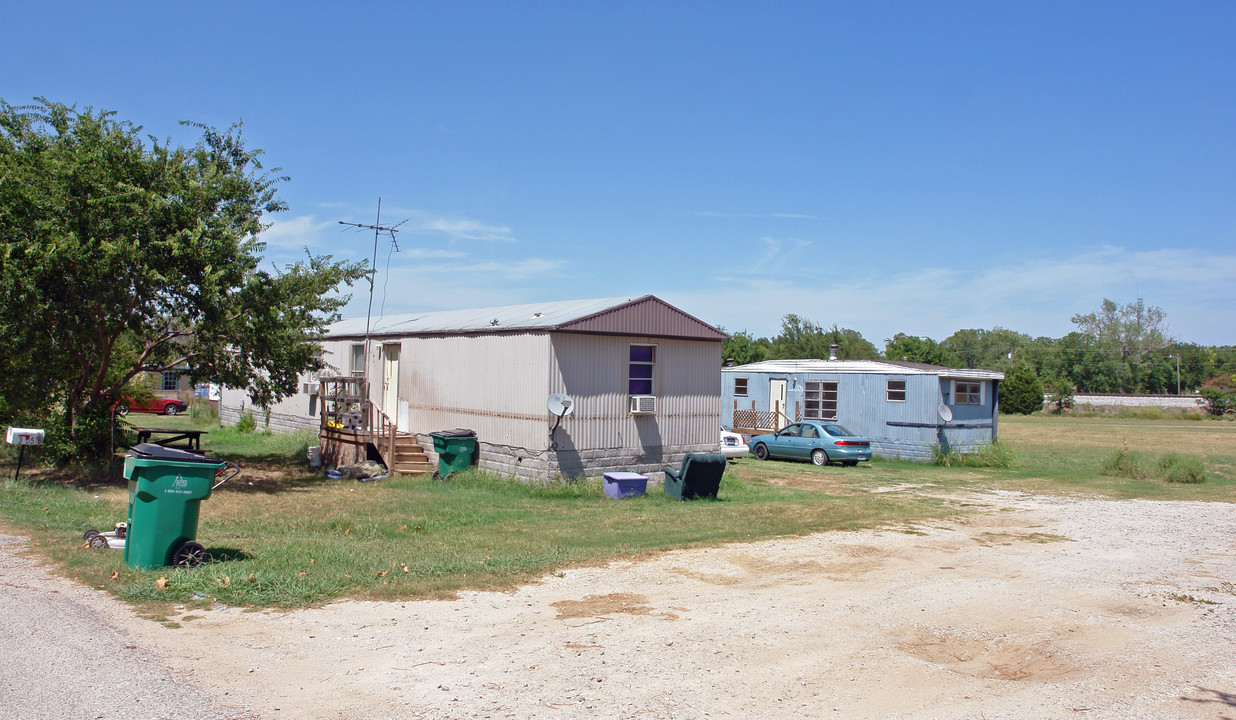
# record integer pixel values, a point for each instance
(409, 458)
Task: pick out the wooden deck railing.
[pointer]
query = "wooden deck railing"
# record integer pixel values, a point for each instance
(758, 421)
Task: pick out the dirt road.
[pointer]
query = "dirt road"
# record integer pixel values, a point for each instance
(1032, 608)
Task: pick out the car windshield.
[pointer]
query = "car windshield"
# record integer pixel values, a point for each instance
(837, 431)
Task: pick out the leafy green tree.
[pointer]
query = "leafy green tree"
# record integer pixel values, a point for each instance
(743, 348)
(1060, 389)
(1091, 369)
(984, 349)
(1022, 391)
(909, 348)
(803, 339)
(1133, 335)
(123, 256)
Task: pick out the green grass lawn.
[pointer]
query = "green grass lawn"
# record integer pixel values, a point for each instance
(284, 537)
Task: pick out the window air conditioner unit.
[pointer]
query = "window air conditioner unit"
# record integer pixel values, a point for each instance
(310, 388)
(643, 404)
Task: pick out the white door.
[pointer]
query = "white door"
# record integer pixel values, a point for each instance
(776, 403)
(390, 381)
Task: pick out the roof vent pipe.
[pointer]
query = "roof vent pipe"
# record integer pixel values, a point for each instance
(832, 351)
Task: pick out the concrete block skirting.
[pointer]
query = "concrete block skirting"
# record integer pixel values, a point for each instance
(550, 466)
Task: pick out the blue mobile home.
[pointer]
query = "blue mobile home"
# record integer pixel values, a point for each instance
(903, 408)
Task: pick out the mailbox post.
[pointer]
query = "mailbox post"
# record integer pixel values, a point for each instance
(22, 437)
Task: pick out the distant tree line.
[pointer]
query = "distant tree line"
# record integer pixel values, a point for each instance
(1118, 348)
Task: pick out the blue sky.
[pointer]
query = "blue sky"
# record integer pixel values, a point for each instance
(885, 166)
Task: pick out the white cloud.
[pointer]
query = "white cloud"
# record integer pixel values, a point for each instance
(417, 253)
(295, 233)
(496, 271)
(1037, 296)
(466, 230)
(778, 253)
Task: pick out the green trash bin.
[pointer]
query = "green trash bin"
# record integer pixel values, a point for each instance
(166, 488)
(456, 449)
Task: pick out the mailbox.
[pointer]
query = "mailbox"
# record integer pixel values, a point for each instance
(24, 436)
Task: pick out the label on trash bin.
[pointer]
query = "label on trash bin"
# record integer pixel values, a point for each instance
(179, 486)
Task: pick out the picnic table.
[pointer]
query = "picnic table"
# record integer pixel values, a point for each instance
(192, 439)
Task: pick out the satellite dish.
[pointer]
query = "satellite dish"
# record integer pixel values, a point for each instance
(560, 404)
(946, 414)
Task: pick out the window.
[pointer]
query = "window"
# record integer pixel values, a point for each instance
(809, 431)
(967, 393)
(896, 391)
(358, 361)
(171, 380)
(740, 387)
(642, 362)
(820, 400)
(790, 431)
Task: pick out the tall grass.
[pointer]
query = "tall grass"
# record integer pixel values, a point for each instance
(982, 455)
(1171, 466)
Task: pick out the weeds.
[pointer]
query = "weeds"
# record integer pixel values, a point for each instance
(246, 423)
(1169, 466)
(982, 455)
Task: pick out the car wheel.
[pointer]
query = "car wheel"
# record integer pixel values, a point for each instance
(170, 409)
(819, 457)
(761, 452)
(122, 409)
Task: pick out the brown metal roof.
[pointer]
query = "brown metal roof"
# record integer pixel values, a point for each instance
(650, 316)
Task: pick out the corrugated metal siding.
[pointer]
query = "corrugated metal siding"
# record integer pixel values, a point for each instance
(863, 407)
(647, 316)
(593, 370)
(495, 385)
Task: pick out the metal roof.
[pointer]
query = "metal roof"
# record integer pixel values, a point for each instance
(882, 367)
(656, 317)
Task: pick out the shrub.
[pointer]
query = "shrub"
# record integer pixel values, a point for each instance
(246, 423)
(97, 436)
(1169, 466)
(1123, 463)
(1021, 391)
(1061, 391)
(1174, 468)
(1219, 402)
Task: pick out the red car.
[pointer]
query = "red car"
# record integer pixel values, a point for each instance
(163, 406)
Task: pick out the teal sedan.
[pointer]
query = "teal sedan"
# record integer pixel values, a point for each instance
(815, 440)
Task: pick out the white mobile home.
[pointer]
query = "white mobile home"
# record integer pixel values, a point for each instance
(643, 376)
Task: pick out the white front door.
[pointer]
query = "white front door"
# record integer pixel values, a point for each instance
(776, 403)
(390, 381)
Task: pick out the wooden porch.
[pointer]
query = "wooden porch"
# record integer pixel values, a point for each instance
(351, 426)
(749, 421)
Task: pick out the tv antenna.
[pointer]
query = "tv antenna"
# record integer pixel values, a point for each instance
(378, 228)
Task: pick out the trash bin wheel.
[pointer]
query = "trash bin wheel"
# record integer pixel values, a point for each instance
(98, 542)
(89, 534)
(189, 553)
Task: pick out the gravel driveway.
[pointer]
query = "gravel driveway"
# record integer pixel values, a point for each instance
(1031, 608)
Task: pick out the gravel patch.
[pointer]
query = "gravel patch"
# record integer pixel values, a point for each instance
(1032, 607)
